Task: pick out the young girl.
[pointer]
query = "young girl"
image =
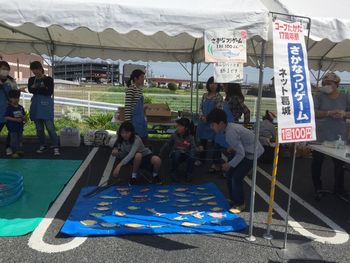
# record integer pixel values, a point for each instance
(182, 147)
(42, 106)
(129, 149)
(234, 106)
(210, 100)
(7, 83)
(134, 103)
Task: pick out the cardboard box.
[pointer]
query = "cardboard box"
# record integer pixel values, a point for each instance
(158, 113)
(154, 113)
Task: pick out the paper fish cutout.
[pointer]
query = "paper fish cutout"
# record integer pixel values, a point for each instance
(88, 222)
(143, 190)
(160, 196)
(201, 188)
(198, 215)
(216, 215)
(154, 226)
(102, 208)
(183, 200)
(197, 204)
(163, 190)
(207, 198)
(104, 203)
(133, 207)
(119, 213)
(180, 194)
(124, 193)
(187, 212)
(181, 189)
(216, 209)
(123, 189)
(189, 224)
(139, 196)
(163, 201)
(179, 218)
(212, 203)
(134, 225)
(215, 222)
(96, 214)
(108, 225)
(109, 197)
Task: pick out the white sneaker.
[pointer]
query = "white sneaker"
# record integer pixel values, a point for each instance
(56, 151)
(41, 149)
(9, 151)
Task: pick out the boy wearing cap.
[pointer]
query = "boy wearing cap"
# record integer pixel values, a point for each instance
(331, 110)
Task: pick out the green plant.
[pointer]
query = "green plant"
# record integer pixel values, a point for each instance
(101, 121)
(172, 86)
(148, 100)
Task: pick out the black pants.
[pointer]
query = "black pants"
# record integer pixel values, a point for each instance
(316, 171)
(2, 125)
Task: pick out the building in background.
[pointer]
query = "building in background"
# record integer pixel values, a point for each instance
(91, 72)
(19, 64)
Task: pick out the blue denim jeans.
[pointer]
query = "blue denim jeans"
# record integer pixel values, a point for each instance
(234, 180)
(16, 141)
(50, 127)
(177, 157)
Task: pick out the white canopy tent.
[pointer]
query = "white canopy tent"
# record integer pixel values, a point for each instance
(153, 30)
(329, 43)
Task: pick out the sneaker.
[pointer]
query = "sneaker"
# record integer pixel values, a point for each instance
(197, 163)
(132, 181)
(41, 149)
(21, 153)
(9, 151)
(56, 151)
(15, 156)
(156, 180)
(237, 209)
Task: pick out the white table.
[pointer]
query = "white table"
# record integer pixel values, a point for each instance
(333, 152)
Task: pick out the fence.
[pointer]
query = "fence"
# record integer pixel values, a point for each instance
(91, 102)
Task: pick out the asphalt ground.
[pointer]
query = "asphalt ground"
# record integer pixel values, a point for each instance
(221, 247)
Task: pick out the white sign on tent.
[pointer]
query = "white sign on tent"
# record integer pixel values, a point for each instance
(228, 72)
(295, 107)
(223, 45)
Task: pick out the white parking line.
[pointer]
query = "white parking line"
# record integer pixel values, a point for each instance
(36, 240)
(340, 237)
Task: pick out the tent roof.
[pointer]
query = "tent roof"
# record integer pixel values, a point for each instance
(155, 30)
(329, 44)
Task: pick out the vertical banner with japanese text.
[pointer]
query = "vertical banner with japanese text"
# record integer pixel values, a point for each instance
(295, 107)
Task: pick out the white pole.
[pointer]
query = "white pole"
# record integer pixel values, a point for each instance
(289, 198)
(89, 98)
(251, 238)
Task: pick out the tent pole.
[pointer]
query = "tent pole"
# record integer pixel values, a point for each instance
(191, 85)
(197, 94)
(251, 238)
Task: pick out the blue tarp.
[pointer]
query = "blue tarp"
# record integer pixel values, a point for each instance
(154, 209)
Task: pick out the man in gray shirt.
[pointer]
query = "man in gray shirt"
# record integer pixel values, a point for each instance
(331, 110)
(241, 140)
